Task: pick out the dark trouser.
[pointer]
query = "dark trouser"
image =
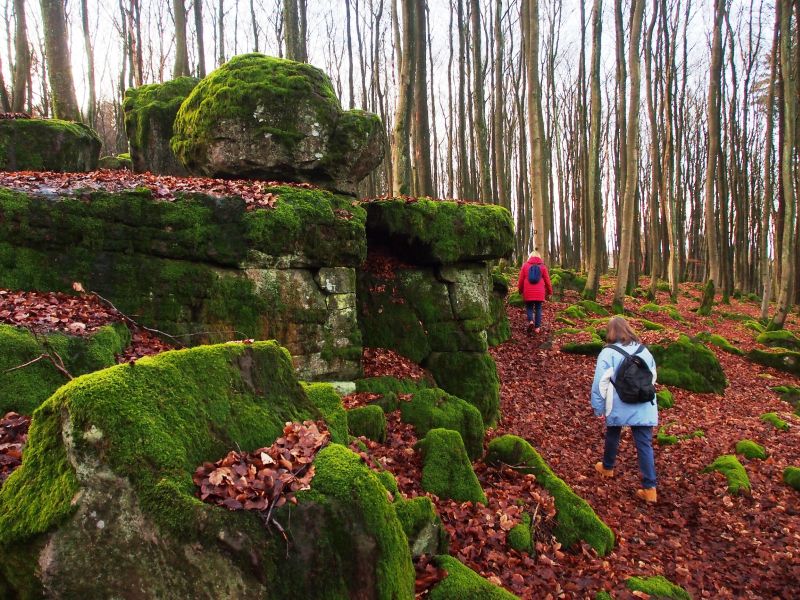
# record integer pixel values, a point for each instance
(643, 436)
(529, 308)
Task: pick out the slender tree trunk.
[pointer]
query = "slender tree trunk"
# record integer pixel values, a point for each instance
(668, 179)
(294, 20)
(622, 118)
(461, 101)
(87, 44)
(201, 48)
(498, 120)
(22, 59)
(401, 148)
(422, 135)
(478, 98)
(181, 68)
(59, 69)
(655, 154)
(629, 200)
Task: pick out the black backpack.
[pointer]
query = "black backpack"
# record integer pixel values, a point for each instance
(535, 273)
(633, 379)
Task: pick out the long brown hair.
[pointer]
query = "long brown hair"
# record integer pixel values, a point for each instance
(620, 332)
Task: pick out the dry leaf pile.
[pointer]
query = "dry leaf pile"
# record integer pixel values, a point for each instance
(13, 435)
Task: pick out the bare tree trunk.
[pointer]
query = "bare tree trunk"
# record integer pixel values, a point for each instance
(221, 31)
(668, 179)
(655, 154)
(22, 59)
(478, 98)
(498, 121)
(632, 159)
(294, 18)
(622, 117)
(421, 124)
(181, 68)
(463, 161)
(401, 147)
(59, 68)
(87, 44)
(201, 48)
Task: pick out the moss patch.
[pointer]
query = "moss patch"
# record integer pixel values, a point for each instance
(720, 342)
(592, 348)
(665, 399)
(778, 358)
(791, 476)
(750, 449)
(593, 308)
(734, 472)
(774, 420)
(790, 394)
(446, 469)
(472, 376)
(423, 527)
(520, 537)
(367, 421)
(462, 582)
(689, 365)
(779, 338)
(658, 588)
(576, 519)
(328, 402)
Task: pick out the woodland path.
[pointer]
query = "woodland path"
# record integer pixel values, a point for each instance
(697, 535)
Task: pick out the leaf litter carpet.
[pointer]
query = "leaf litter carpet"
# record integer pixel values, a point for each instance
(697, 535)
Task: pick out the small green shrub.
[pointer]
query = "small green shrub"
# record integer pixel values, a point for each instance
(750, 449)
(774, 420)
(734, 472)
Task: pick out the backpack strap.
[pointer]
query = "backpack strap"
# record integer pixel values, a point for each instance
(639, 349)
(620, 350)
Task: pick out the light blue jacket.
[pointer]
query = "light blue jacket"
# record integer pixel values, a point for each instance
(622, 413)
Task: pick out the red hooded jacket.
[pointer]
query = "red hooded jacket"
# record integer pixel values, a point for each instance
(531, 292)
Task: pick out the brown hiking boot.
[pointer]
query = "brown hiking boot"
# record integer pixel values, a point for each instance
(648, 495)
(608, 473)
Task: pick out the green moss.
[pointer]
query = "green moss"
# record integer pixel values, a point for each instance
(754, 325)
(650, 325)
(576, 519)
(472, 376)
(689, 365)
(665, 399)
(774, 420)
(159, 419)
(650, 307)
(591, 348)
(750, 449)
(664, 439)
(791, 476)
(602, 595)
(441, 232)
(720, 342)
(115, 163)
(658, 588)
(328, 402)
(593, 308)
(707, 302)
(790, 394)
(423, 527)
(520, 537)
(566, 279)
(734, 472)
(367, 421)
(567, 322)
(780, 338)
(574, 312)
(778, 358)
(462, 582)
(515, 299)
(385, 385)
(47, 145)
(389, 482)
(341, 476)
(25, 389)
(435, 408)
(446, 469)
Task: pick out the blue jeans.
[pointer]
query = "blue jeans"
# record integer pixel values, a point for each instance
(643, 436)
(529, 308)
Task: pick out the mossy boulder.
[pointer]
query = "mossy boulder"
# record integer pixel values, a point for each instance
(791, 477)
(472, 376)
(25, 389)
(689, 365)
(774, 420)
(732, 469)
(260, 117)
(777, 358)
(434, 408)
(576, 519)
(117, 162)
(790, 394)
(423, 527)
(105, 490)
(47, 145)
(324, 397)
(440, 232)
(462, 582)
(386, 384)
(150, 112)
(658, 588)
(446, 469)
(591, 348)
(593, 308)
(367, 421)
(750, 449)
(779, 338)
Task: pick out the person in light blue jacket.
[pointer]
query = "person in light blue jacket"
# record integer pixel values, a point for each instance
(606, 403)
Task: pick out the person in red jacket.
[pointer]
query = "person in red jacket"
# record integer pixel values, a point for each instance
(534, 294)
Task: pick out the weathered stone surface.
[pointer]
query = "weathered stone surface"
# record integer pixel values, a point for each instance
(149, 116)
(470, 290)
(47, 145)
(104, 506)
(291, 293)
(268, 118)
(337, 280)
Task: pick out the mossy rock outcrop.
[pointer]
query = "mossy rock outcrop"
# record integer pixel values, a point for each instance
(777, 358)
(472, 376)
(23, 390)
(446, 469)
(750, 449)
(203, 264)
(367, 421)
(150, 112)
(779, 338)
(47, 145)
(119, 162)
(259, 117)
(434, 408)
(689, 365)
(324, 397)
(441, 232)
(462, 582)
(576, 519)
(105, 491)
(423, 527)
(790, 394)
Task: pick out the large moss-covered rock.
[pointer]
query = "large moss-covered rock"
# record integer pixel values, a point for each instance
(576, 519)
(689, 365)
(149, 117)
(446, 469)
(778, 358)
(423, 527)
(104, 505)
(779, 338)
(268, 118)
(23, 390)
(47, 145)
(463, 582)
(472, 376)
(438, 232)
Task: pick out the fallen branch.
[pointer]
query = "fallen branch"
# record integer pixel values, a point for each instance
(27, 364)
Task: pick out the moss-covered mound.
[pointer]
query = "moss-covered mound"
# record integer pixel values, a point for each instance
(734, 472)
(779, 338)
(750, 449)
(268, 118)
(434, 408)
(774, 420)
(25, 389)
(423, 527)
(566, 279)
(150, 112)
(590, 348)
(689, 365)
(47, 145)
(114, 451)
(520, 537)
(446, 469)
(439, 232)
(367, 421)
(658, 588)
(386, 385)
(790, 394)
(471, 376)
(118, 162)
(328, 402)
(462, 582)
(791, 476)
(778, 358)
(576, 519)
(720, 342)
